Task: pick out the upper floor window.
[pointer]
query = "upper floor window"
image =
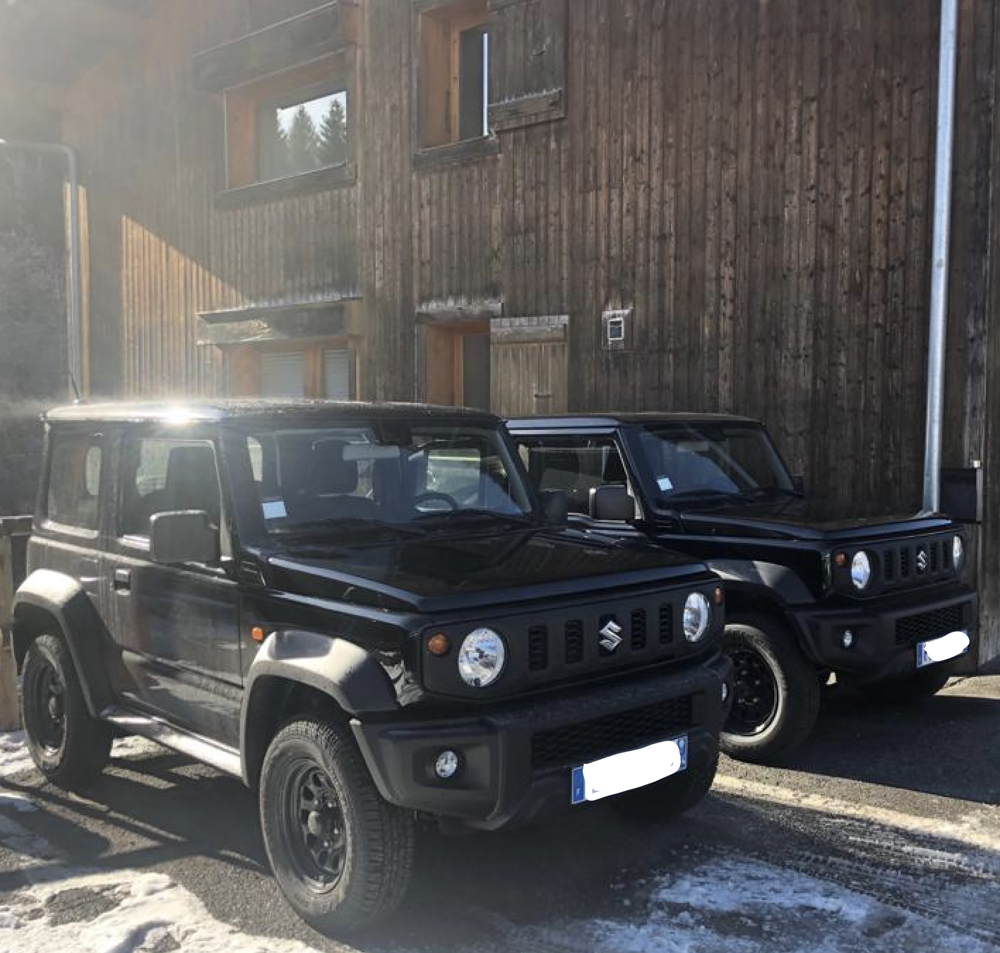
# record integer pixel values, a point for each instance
(454, 51)
(296, 122)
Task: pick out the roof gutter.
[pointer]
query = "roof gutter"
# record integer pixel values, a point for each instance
(74, 308)
(938, 330)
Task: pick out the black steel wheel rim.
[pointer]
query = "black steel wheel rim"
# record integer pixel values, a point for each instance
(755, 694)
(314, 826)
(46, 707)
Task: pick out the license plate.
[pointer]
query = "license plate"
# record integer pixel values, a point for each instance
(629, 770)
(940, 650)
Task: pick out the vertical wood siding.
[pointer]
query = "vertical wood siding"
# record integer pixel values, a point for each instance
(752, 179)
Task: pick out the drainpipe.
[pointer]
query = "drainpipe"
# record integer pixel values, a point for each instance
(947, 56)
(74, 309)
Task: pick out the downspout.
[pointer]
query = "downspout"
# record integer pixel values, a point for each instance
(938, 330)
(74, 308)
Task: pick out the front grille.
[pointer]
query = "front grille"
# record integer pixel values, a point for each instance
(638, 630)
(574, 642)
(623, 731)
(538, 648)
(666, 624)
(929, 625)
(916, 561)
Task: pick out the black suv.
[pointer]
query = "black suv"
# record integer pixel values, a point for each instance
(365, 612)
(810, 592)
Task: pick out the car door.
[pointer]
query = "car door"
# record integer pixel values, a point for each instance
(176, 626)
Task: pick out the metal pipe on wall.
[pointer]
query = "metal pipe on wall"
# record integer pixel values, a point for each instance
(74, 307)
(938, 327)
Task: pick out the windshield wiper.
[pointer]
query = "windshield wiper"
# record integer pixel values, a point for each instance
(466, 513)
(702, 494)
(350, 524)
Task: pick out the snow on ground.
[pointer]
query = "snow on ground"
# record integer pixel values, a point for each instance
(726, 900)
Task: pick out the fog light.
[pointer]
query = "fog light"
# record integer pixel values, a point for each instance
(446, 765)
(847, 639)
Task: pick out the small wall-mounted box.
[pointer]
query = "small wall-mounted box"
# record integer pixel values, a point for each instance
(962, 493)
(617, 330)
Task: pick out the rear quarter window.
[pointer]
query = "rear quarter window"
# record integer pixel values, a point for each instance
(76, 466)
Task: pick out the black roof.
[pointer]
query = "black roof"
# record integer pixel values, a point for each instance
(240, 409)
(555, 422)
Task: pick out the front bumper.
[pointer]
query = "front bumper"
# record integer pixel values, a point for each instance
(516, 759)
(886, 632)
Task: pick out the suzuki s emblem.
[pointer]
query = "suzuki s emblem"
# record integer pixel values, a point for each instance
(611, 636)
(922, 560)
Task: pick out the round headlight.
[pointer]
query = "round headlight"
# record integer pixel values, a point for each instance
(481, 658)
(696, 613)
(957, 553)
(861, 570)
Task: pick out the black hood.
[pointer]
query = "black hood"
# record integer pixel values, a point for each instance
(437, 571)
(790, 517)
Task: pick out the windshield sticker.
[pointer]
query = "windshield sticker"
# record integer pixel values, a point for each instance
(664, 483)
(274, 510)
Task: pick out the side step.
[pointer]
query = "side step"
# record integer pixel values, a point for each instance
(219, 756)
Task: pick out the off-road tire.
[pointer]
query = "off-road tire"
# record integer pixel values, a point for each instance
(76, 755)
(908, 691)
(377, 857)
(795, 685)
(666, 800)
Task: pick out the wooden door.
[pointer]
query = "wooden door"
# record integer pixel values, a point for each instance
(530, 365)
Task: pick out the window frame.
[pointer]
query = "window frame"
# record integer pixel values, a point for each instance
(453, 148)
(335, 72)
(54, 526)
(611, 436)
(138, 544)
(245, 365)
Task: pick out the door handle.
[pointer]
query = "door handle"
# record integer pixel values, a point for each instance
(123, 580)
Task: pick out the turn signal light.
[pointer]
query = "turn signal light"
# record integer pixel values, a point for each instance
(840, 560)
(719, 595)
(438, 644)
(257, 633)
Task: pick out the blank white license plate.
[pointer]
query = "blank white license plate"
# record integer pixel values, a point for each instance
(629, 770)
(940, 650)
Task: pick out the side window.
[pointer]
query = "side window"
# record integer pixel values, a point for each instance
(573, 465)
(75, 470)
(165, 474)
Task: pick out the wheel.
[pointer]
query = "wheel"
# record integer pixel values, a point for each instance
(776, 694)
(69, 747)
(917, 687)
(341, 854)
(666, 800)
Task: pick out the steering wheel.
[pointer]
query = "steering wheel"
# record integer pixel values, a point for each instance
(449, 501)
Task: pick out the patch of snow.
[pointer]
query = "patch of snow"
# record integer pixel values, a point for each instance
(14, 757)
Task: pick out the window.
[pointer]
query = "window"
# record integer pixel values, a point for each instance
(573, 465)
(454, 72)
(289, 125)
(312, 371)
(163, 474)
(74, 480)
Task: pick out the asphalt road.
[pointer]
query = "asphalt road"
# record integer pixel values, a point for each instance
(882, 834)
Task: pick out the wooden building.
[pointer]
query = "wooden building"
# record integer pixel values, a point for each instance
(539, 205)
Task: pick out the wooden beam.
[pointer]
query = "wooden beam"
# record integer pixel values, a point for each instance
(289, 43)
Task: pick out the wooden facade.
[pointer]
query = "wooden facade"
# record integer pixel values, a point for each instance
(748, 185)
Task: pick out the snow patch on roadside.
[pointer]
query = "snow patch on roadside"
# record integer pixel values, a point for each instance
(145, 913)
(14, 757)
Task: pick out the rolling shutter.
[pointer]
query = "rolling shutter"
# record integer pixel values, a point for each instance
(337, 374)
(283, 374)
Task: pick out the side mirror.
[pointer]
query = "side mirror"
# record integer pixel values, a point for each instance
(799, 484)
(555, 505)
(183, 536)
(612, 502)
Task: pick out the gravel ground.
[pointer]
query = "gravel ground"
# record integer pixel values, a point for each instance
(883, 834)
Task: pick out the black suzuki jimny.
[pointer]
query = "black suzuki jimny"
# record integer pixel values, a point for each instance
(809, 591)
(366, 613)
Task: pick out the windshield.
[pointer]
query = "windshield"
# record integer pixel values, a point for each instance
(386, 473)
(704, 460)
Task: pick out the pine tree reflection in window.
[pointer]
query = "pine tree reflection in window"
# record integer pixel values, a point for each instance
(301, 134)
